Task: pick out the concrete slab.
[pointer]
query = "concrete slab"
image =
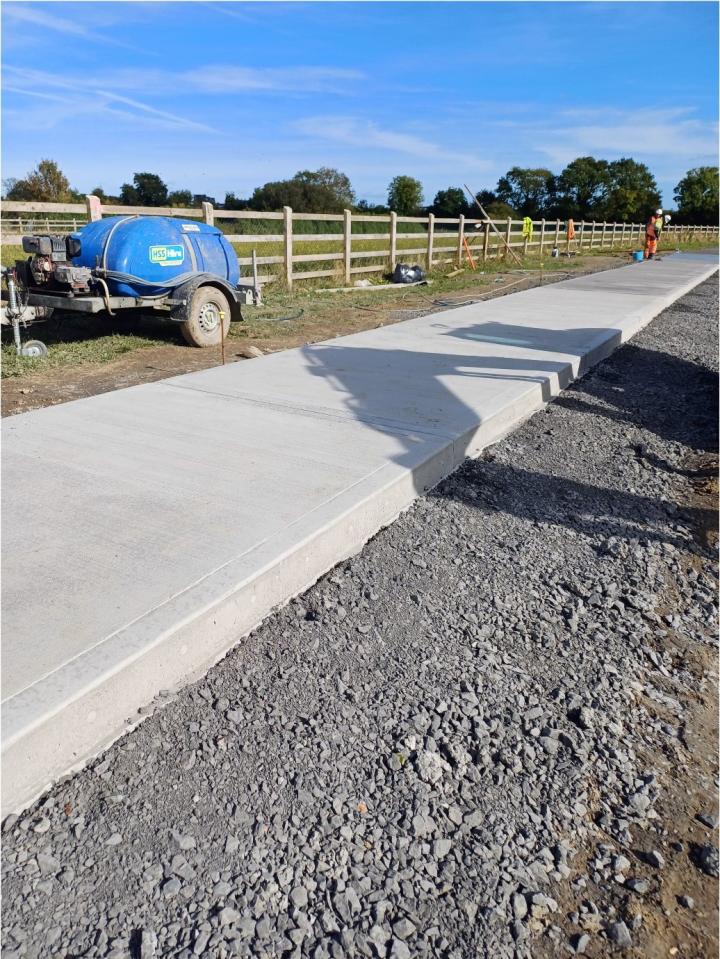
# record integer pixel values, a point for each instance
(148, 530)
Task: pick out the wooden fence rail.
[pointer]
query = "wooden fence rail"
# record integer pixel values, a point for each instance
(438, 240)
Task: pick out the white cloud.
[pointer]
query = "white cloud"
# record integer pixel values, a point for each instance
(173, 118)
(215, 78)
(39, 18)
(80, 98)
(355, 131)
(231, 79)
(671, 133)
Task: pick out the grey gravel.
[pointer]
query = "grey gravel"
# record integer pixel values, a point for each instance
(707, 859)
(654, 859)
(405, 761)
(619, 934)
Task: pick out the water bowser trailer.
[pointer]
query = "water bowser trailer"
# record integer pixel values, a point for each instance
(181, 269)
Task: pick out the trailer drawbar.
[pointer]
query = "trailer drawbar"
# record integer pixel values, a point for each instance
(182, 269)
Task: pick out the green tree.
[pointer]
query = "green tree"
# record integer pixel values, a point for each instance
(147, 189)
(497, 210)
(405, 195)
(327, 178)
(181, 198)
(632, 193)
(529, 191)
(581, 188)
(697, 196)
(104, 197)
(46, 183)
(365, 206)
(320, 191)
(233, 202)
(450, 202)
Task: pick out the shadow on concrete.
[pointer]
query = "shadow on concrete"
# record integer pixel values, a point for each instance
(407, 393)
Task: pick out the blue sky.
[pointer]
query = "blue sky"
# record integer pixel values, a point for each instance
(224, 96)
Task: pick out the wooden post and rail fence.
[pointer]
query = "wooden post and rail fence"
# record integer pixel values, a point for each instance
(438, 240)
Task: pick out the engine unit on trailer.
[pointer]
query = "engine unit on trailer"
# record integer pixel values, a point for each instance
(50, 265)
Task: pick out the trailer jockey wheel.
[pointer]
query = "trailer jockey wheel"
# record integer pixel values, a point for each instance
(34, 348)
(208, 309)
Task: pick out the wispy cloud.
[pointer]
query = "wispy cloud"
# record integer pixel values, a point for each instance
(355, 131)
(658, 133)
(301, 79)
(213, 78)
(40, 18)
(173, 118)
(78, 98)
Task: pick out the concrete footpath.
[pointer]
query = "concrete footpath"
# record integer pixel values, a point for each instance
(146, 531)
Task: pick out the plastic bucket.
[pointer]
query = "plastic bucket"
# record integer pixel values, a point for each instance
(638, 256)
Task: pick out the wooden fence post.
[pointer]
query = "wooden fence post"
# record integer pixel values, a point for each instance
(461, 237)
(431, 240)
(602, 237)
(347, 243)
(486, 241)
(508, 233)
(581, 235)
(288, 242)
(542, 235)
(592, 236)
(208, 213)
(93, 206)
(393, 240)
(557, 232)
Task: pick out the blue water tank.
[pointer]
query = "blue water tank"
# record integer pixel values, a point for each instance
(155, 249)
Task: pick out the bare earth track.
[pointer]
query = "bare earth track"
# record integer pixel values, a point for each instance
(492, 733)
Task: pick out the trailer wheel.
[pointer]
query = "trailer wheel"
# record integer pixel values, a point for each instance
(209, 308)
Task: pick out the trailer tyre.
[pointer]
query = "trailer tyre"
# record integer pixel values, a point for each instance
(209, 313)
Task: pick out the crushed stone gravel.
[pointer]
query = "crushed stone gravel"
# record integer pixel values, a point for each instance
(406, 760)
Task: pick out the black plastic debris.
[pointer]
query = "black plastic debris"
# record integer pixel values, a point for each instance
(408, 274)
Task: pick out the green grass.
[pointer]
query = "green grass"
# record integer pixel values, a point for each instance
(61, 355)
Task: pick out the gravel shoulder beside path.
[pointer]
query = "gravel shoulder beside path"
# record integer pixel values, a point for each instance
(492, 733)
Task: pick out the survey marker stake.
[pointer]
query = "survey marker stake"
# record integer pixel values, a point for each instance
(488, 220)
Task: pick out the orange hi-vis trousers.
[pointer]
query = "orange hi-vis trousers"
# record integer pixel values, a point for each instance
(650, 245)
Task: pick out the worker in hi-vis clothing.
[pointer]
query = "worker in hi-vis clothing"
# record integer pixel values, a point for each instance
(653, 229)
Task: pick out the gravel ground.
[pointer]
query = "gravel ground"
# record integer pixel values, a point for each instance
(489, 734)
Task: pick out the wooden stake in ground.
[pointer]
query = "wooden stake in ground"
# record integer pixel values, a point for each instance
(488, 220)
(469, 254)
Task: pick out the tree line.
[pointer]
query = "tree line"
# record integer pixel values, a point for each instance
(586, 189)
